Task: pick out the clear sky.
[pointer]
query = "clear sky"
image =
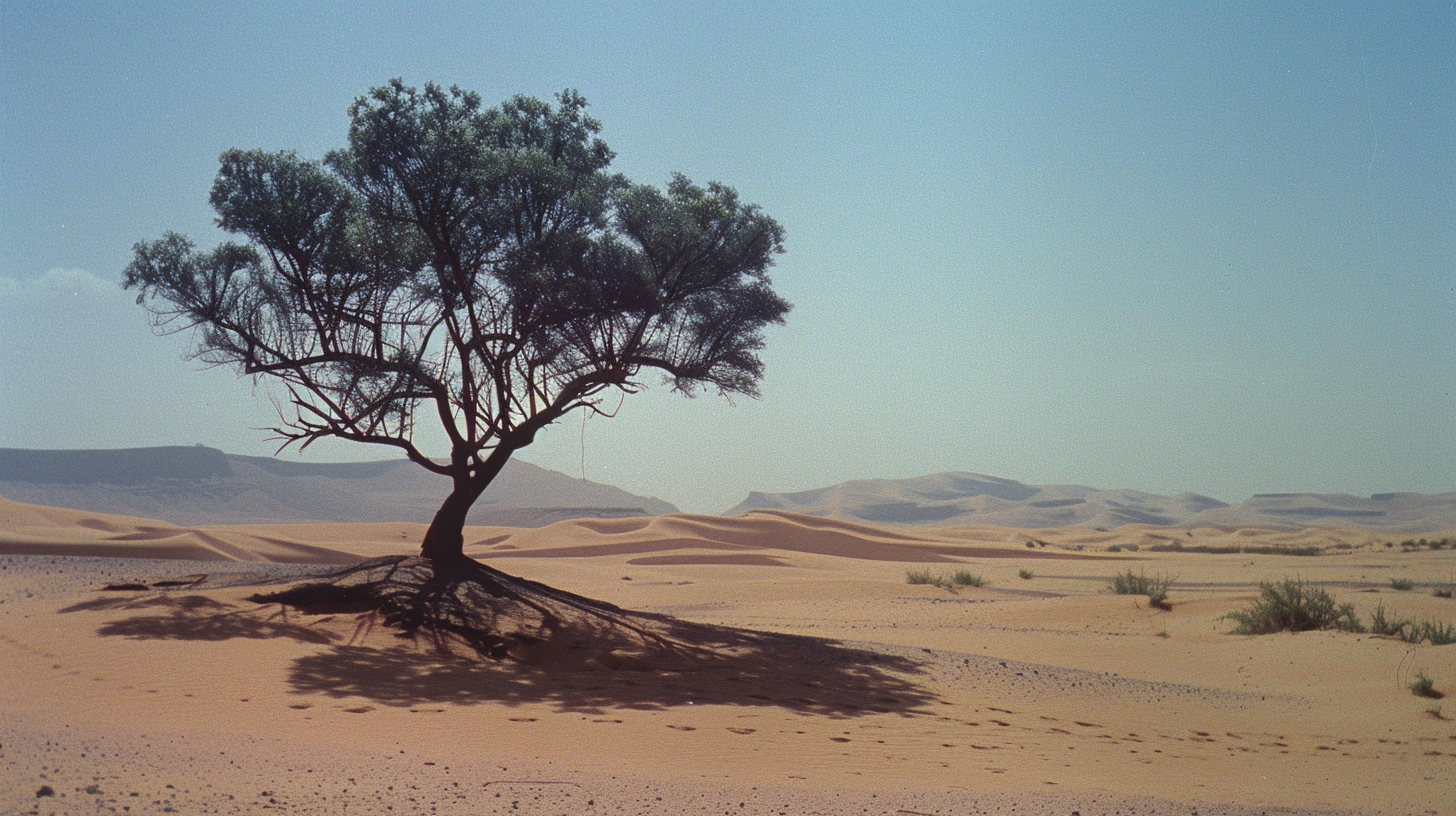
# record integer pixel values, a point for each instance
(1164, 246)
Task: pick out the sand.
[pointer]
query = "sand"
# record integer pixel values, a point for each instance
(1045, 694)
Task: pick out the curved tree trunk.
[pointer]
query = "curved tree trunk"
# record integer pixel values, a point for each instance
(445, 539)
(444, 542)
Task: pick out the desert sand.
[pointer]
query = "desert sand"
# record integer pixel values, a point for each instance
(1040, 694)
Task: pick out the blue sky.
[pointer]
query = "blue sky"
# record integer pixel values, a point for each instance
(1206, 247)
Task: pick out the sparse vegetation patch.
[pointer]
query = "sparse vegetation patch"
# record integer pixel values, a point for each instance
(958, 579)
(1437, 634)
(1155, 587)
(1402, 584)
(920, 577)
(1424, 686)
(1418, 543)
(1381, 625)
(1291, 605)
(966, 578)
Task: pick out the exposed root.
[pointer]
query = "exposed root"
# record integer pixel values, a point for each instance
(471, 608)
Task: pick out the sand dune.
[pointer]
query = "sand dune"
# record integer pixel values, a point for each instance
(27, 529)
(970, 498)
(848, 691)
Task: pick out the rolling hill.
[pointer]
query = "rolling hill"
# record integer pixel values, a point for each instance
(199, 485)
(954, 499)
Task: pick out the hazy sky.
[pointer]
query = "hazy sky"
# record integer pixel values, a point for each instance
(1206, 247)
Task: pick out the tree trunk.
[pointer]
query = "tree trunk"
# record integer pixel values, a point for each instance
(444, 542)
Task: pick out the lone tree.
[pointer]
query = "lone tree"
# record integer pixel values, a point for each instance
(479, 268)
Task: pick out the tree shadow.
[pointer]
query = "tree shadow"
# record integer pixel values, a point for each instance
(800, 674)
(497, 639)
(196, 617)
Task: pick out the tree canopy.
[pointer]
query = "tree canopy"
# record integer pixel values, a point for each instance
(479, 268)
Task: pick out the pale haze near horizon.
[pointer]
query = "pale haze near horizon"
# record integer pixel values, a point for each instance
(1193, 248)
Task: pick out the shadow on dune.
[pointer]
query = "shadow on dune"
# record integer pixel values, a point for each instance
(782, 671)
(586, 665)
(195, 617)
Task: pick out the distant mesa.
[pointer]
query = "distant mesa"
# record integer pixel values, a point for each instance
(199, 485)
(127, 466)
(962, 499)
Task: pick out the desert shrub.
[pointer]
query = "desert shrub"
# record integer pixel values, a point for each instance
(966, 578)
(1153, 586)
(1442, 592)
(1312, 549)
(1424, 686)
(1115, 548)
(1381, 625)
(1402, 584)
(1433, 632)
(919, 577)
(1291, 605)
(1026, 574)
(1439, 634)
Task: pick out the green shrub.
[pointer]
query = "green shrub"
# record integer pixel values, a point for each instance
(1026, 574)
(1153, 586)
(1424, 686)
(1402, 584)
(1291, 605)
(1380, 625)
(965, 578)
(1439, 634)
(920, 577)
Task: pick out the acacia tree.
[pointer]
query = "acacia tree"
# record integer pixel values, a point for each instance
(476, 268)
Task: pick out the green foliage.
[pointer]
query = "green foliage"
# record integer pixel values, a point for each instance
(1424, 686)
(1291, 605)
(1435, 544)
(927, 578)
(480, 268)
(1155, 587)
(1402, 584)
(966, 578)
(1438, 634)
(1380, 625)
(1026, 574)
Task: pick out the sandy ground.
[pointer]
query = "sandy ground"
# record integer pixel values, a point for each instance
(1045, 694)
